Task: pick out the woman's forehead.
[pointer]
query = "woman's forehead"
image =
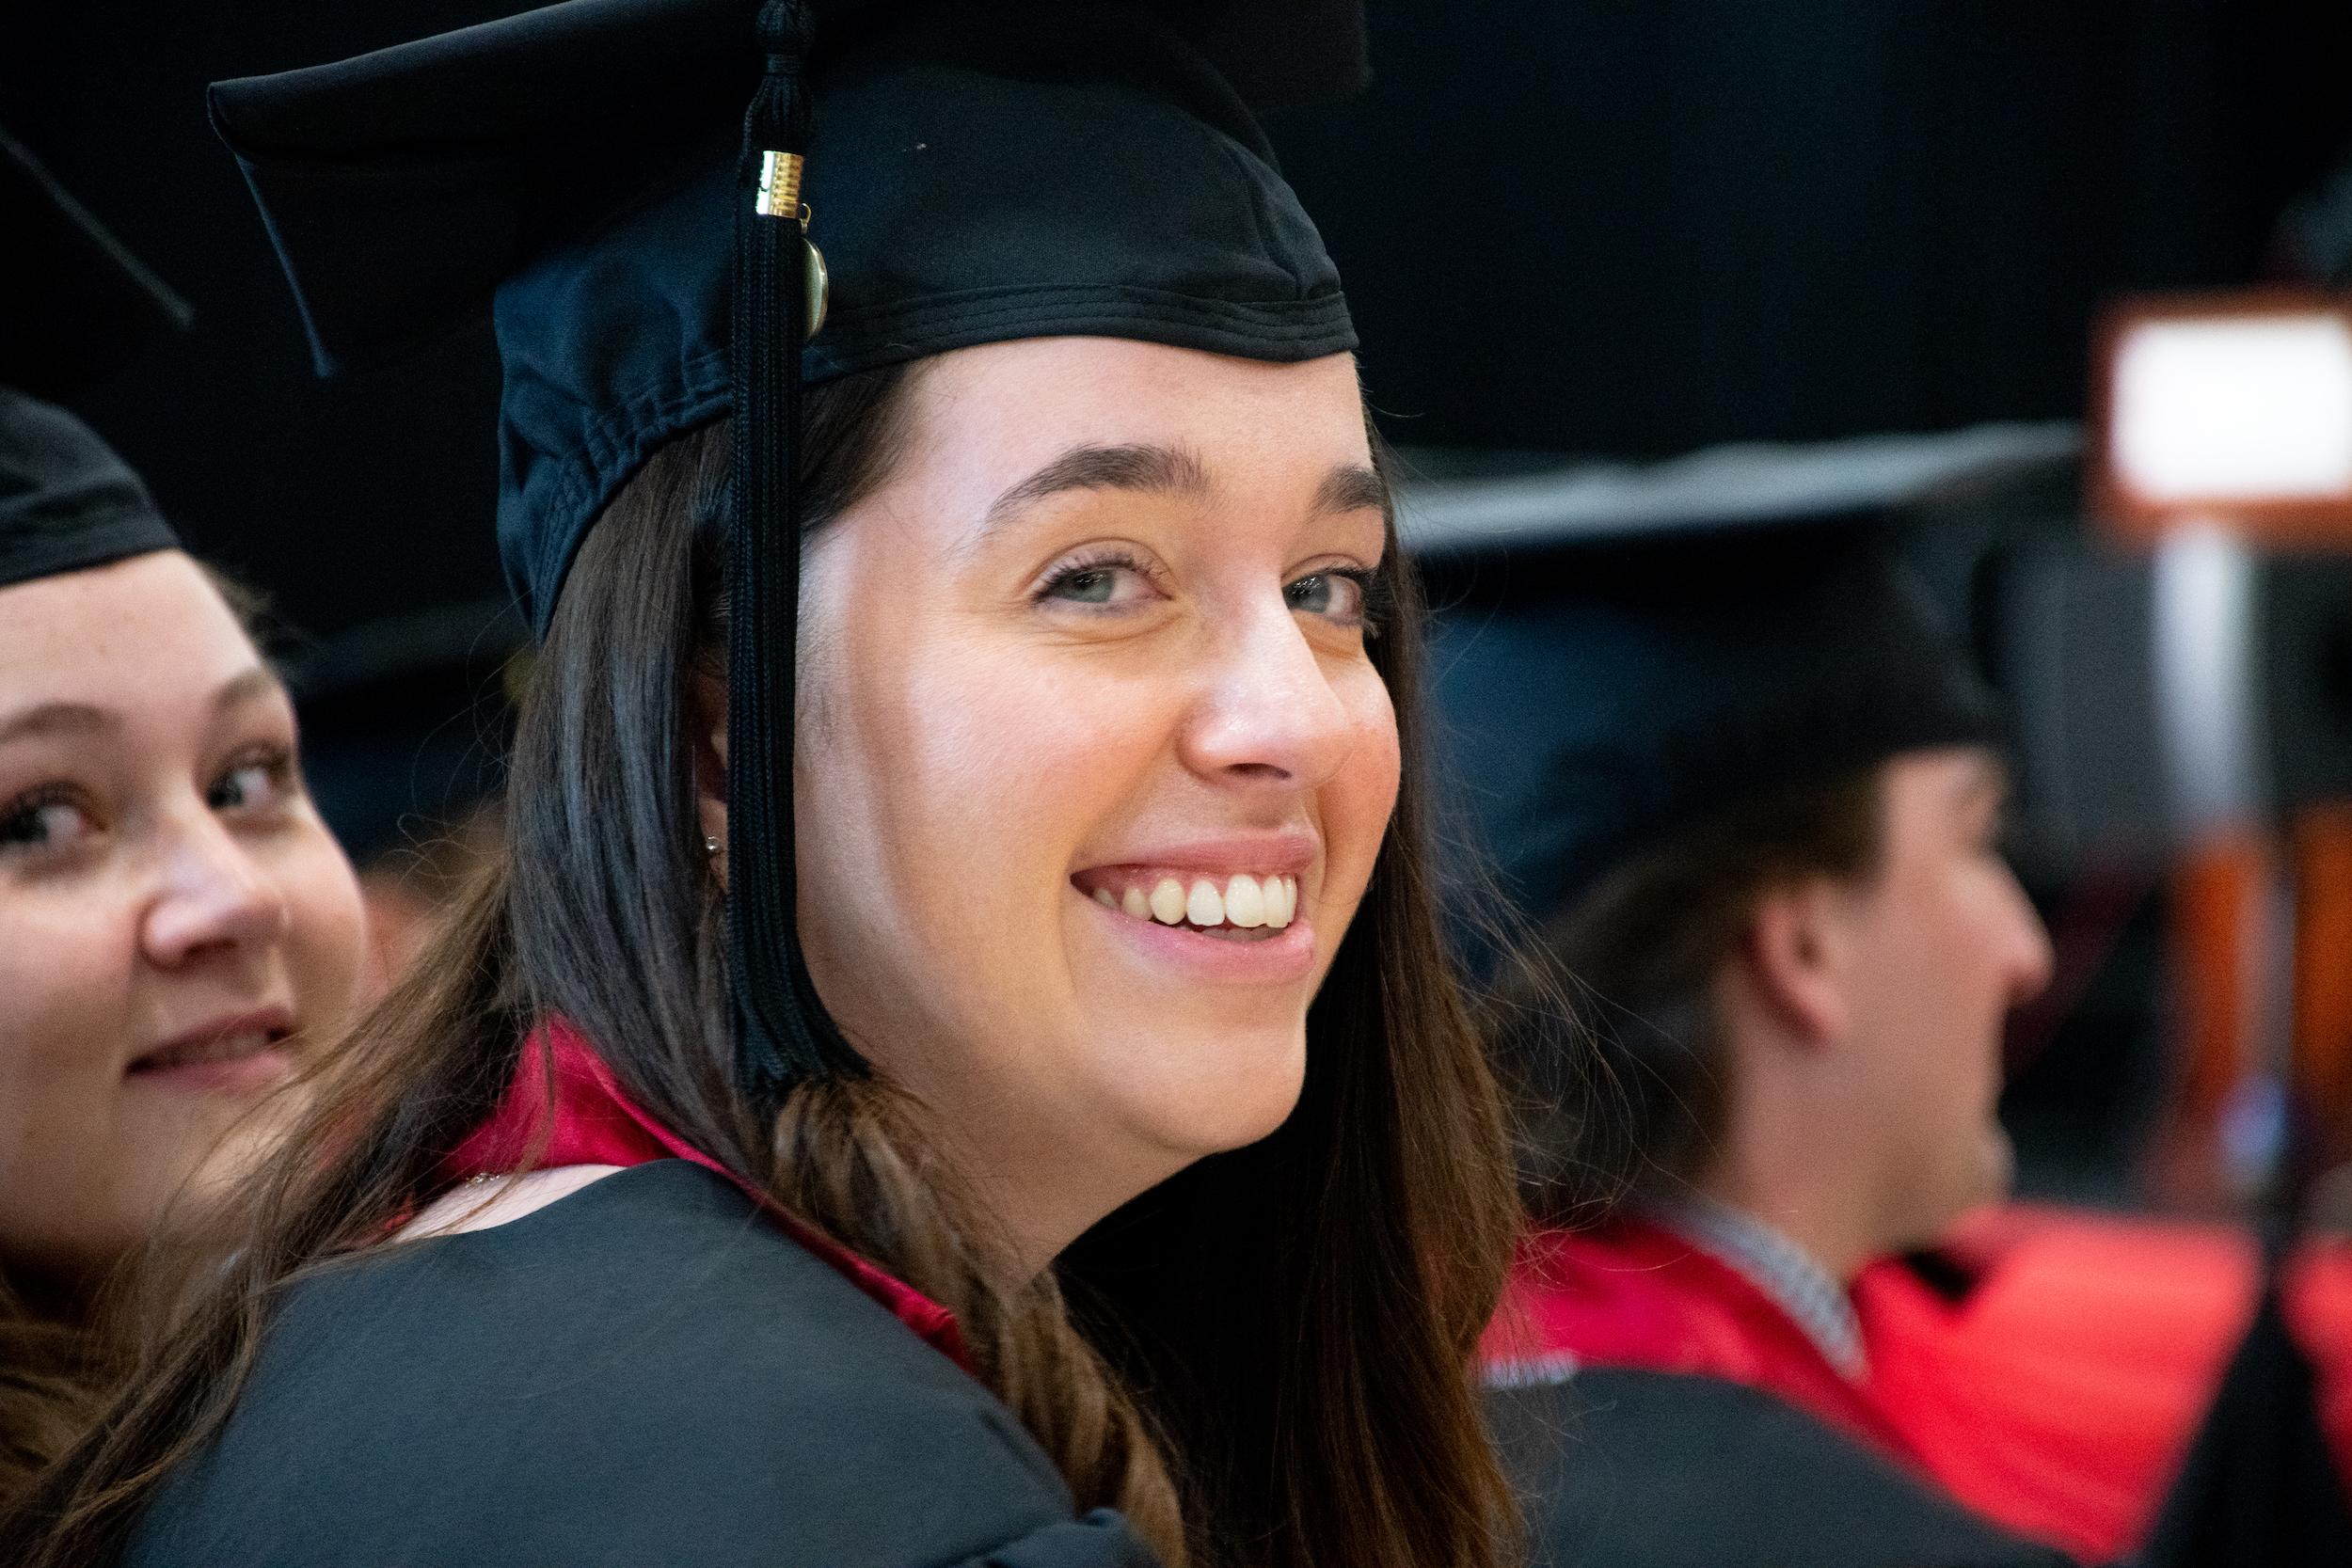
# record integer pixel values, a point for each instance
(985, 421)
(149, 630)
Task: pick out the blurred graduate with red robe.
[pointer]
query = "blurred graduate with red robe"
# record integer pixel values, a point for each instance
(1749, 790)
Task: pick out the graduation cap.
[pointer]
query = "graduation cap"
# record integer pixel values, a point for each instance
(1624, 652)
(406, 723)
(79, 308)
(648, 251)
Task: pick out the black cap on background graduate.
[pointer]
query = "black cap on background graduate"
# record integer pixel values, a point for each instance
(78, 307)
(648, 250)
(1622, 655)
(406, 724)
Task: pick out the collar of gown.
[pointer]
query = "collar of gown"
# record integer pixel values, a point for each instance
(593, 1122)
(1769, 1260)
(1631, 1293)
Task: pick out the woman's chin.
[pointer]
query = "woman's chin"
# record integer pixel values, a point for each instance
(1224, 1095)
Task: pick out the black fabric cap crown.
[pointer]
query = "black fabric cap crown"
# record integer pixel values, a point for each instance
(975, 174)
(406, 724)
(79, 308)
(1601, 698)
(67, 502)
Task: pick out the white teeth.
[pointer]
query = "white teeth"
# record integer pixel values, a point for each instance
(1243, 903)
(220, 1048)
(228, 1047)
(1167, 902)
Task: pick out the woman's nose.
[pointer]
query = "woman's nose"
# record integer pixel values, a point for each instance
(213, 897)
(1270, 715)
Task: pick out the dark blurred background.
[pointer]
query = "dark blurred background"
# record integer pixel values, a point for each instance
(1595, 229)
(1603, 225)
(1600, 227)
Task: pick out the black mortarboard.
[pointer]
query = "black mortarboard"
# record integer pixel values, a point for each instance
(406, 724)
(587, 173)
(78, 307)
(1654, 647)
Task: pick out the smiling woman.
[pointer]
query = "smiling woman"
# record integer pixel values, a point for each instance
(173, 915)
(956, 1065)
(1087, 642)
(174, 911)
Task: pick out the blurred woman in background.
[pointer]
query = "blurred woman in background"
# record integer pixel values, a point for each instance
(173, 915)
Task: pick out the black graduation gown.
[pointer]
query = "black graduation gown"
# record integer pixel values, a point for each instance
(1630, 1468)
(644, 1372)
(2259, 1487)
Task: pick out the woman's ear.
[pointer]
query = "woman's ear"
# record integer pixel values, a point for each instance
(708, 699)
(1799, 956)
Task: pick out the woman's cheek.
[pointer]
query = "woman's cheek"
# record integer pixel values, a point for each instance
(65, 1030)
(1363, 794)
(1048, 740)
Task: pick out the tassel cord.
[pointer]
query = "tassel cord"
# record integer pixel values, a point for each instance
(788, 1036)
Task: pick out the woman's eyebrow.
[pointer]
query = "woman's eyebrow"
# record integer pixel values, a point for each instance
(1352, 487)
(47, 720)
(239, 689)
(1148, 470)
(55, 719)
(1144, 469)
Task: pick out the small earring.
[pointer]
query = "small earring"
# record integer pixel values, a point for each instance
(710, 845)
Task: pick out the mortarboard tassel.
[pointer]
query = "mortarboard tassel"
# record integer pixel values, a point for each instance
(788, 1036)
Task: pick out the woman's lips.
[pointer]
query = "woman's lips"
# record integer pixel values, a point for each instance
(227, 1055)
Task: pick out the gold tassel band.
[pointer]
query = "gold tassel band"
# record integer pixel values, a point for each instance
(779, 185)
(780, 197)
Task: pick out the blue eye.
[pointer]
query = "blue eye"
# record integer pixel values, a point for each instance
(1347, 596)
(1090, 585)
(1318, 595)
(1103, 582)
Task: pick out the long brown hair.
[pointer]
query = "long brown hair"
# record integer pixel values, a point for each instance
(1265, 1362)
(46, 1389)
